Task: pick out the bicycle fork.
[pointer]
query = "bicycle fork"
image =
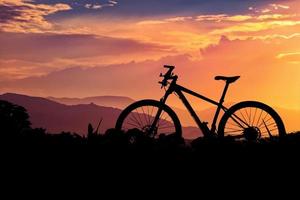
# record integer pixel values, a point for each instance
(156, 118)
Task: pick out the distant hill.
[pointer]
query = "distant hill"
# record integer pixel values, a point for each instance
(107, 101)
(57, 117)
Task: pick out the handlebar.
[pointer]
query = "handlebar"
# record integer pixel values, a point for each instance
(167, 76)
(169, 66)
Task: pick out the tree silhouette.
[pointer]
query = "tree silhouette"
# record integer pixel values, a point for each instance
(14, 119)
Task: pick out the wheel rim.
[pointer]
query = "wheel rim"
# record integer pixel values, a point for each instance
(141, 118)
(251, 123)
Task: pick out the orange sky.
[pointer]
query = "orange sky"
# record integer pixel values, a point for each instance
(260, 42)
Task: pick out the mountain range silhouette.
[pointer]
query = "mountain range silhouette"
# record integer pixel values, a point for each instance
(107, 101)
(74, 114)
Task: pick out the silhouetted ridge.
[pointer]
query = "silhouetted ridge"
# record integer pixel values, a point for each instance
(56, 117)
(107, 101)
(29, 100)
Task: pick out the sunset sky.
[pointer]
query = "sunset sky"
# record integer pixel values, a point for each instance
(117, 47)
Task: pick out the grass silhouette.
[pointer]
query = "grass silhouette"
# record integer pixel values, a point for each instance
(19, 138)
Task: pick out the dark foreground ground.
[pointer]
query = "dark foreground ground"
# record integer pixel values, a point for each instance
(134, 147)
(112, 162)
(125, 165)
(21, 144)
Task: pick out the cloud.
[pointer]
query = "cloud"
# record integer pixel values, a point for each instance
(256, 26)
(254, 60)
(233, 24)
(93, 6)
(164, 21)
(113, 2)
(242, 18)
(152, 22)
(178, 19)
(25, 16)
(265, 10)
(238, 18)
(285, 55)
(31, 54)
(144, 9)
(214, 18)
(60, 46)
(220, 18)
(189, 33)
(291, 57)
(217, 18)
(275, 16)
(279, 6)
(269, 8)
(275, 36)
(48, 46)
(97, 6)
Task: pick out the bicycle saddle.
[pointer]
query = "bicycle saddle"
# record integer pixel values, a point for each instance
(230, 79)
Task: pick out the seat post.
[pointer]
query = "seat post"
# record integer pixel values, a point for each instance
(213, 126)
(224, 93)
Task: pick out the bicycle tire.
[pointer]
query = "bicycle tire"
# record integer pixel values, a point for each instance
(149, 102)
(252, 104)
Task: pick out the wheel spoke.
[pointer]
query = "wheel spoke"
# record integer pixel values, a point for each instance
(152, 111)
(236, 119)
(160, 117)
(133, 115)
(164, 121)
(142, 117)
(250, 116)
(243, 116)
(233, 131)
(268, 125)
(149, 118)
(254, 117)
(247, 115)
(259, 118)
(145, 116)
(264, 121)
(235, 124)
(135, 122)
(132, 124)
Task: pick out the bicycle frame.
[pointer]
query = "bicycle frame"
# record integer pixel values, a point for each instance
(178, 89)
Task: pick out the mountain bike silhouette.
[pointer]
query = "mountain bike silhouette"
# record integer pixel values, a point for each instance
(247, 120)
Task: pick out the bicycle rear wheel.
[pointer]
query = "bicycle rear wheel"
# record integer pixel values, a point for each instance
(140, 115)
(251, 120)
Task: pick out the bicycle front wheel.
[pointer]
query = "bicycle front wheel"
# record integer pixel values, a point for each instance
(140, 115)
(251, 120)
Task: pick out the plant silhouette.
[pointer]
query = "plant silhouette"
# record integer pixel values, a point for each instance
(14, 119)
(132, 145)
